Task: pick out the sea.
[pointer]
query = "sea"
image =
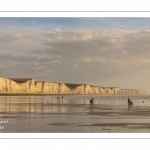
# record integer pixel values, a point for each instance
(74, 114)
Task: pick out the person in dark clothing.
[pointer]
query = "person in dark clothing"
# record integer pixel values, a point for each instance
(131, 103)
(92, 101)
(128, 101)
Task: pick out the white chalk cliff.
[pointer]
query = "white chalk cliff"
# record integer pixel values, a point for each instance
(30, 86)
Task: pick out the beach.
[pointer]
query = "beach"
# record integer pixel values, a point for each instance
(74, 114)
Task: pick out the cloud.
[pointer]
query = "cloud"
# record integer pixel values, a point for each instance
(9, 37)
(95, 56)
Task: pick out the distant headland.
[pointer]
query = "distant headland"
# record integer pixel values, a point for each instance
(30, 86)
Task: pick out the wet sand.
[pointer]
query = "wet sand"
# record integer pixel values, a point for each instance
(74, 114)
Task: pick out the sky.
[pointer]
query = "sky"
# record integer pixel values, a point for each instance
(106, 52)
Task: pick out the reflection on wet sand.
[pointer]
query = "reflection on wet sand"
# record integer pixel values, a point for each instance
(74, 114)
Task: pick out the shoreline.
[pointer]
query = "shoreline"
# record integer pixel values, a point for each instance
(74, 114)
(42, 94)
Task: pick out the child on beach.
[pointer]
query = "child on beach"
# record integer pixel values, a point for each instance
(92, 101)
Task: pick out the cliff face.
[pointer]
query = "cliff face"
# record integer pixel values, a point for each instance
(78, 89)
(14, 85)
(133, 91)
(10, 86)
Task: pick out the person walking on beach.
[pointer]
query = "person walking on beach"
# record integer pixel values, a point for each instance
(128, 101)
